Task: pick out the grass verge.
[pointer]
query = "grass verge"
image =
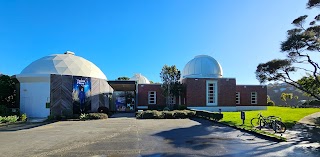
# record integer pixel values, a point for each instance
(289, 116)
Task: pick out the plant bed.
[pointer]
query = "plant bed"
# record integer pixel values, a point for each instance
(77, 117)
(176, 114)
(93, 116)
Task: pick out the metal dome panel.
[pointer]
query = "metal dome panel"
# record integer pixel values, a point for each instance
(202, 66)
(63, 64)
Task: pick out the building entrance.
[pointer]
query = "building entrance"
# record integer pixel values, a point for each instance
(124, 96)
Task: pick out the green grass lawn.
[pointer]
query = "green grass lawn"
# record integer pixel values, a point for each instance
(288, 115)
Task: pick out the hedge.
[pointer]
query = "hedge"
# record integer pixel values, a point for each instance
(176, 114)
(209, 115)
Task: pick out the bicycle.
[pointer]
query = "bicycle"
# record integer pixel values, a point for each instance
(272, 122)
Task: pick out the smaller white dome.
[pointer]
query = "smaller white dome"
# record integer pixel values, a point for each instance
(202, 66)
(140, 79)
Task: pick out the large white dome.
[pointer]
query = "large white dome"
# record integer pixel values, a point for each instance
(202, 66)
(63, 64)
(140, 79)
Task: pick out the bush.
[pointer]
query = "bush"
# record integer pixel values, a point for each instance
(23, 117)
(67, 114)
(182, 107)
(181, 114)
(209, 115)
(4, 110)
(190, 113)
(314, 103)
(166, 109)
(50, 117)
(165, 114)
(168, 114)
(271, 103)
(9, 119)
(89, 116)
(103, 109)
(151, 115)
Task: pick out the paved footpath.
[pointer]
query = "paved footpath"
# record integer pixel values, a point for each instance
(128, 136)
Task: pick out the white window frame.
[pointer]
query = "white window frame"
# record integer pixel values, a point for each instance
(238, 98)
(212, 98)
(172, 100)
(254, 98)
(152, 94)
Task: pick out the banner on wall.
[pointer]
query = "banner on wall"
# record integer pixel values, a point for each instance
(81, 94)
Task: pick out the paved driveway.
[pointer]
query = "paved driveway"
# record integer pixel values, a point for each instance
(130, 137)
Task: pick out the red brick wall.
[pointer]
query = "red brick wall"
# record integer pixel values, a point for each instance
(143, 90)
(245, 95)
(196, 91)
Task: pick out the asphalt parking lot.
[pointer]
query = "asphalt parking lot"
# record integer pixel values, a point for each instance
(127, 136)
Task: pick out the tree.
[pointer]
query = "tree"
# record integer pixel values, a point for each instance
(170, 77)
(300, 43)
(289, 97)
(123, 78)
(8, 91)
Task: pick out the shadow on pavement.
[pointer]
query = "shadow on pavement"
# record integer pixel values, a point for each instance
(307, 132)
(209, 135)
(22, 126)
(173, 155)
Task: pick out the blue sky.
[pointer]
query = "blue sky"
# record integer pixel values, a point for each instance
(140, 36)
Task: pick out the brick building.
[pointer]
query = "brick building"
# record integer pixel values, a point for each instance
(206, 89)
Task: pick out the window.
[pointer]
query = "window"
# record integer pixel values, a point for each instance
(211, 93)
(254, 97)
(152, 95)
(172, 100)
(237, 97)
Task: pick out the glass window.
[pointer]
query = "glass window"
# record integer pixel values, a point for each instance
(237, 97)
(152, 97)
(254, 98)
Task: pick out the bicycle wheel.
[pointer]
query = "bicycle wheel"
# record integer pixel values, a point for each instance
(278, 126)
(255, 122)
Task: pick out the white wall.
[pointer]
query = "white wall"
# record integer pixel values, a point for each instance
(33, 98)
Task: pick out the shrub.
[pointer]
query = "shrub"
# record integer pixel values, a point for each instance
(149, 114)
(9, 119)
(166, 109)
(3, 110)
(182, 107)
(271, 103)
(314, 103)
(67, 114)
(190, 113)
(83, 116)
(97, 116)
(50, 117)
(88, 116)
(181, 114)
(103, 109)
(23, 117)
(209, 115)
(168, 114)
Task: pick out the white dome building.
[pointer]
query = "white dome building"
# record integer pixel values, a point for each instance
(140, 79)
(35, 79)
(202, 66)
(62, 64)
